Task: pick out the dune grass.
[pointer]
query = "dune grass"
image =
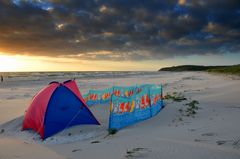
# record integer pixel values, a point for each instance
(235, 69)
(177, 97)
(112, 131)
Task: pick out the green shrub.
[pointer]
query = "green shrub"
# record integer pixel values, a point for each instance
(112, 131)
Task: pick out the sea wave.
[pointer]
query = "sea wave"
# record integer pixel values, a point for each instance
(71, 75)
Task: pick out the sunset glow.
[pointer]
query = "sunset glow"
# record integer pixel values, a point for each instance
(23, 63)
(10, 63)
(117, 35)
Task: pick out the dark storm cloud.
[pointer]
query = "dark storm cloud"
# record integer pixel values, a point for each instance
(121, 29)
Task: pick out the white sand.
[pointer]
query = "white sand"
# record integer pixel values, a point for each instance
(214, 132)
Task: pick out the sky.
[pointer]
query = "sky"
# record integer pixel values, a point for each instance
(117, 35)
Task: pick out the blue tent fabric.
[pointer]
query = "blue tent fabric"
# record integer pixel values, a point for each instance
(65, 109)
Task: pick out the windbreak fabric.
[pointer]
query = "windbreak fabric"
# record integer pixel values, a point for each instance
(98, 96)
(128, 105)
(104, 96)
(127, 111)
(124, 91)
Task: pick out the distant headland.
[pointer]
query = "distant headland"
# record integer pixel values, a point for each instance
(231, 69)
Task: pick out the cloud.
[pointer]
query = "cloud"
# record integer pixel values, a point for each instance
(119, 30)
(181, 2)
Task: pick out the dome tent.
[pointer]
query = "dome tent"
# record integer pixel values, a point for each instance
(56, 107)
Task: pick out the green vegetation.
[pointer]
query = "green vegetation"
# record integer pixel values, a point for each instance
(189, 110)
(112, 131)
(232, 69)
(192, 107)
(188, 68)
(226, 69)
(177, 97)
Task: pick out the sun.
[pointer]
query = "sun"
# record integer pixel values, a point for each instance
(9, 63)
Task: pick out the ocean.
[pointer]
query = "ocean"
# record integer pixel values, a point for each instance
(73, 75)
(26, 84)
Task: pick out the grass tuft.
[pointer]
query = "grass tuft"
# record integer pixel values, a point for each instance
(192, 107)
(177, 97)
(112, 131)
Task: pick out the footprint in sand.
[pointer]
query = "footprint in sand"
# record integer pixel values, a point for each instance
(95, 142)
(200, 140)
(138, 152)
(27, 95)
(221, 142)
(11, 97)
(75, 150)
(205, 135)
(2, 131)
(209, 134)
(236, 143)
(191, 130)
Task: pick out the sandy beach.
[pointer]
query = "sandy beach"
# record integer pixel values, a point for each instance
(213, 132)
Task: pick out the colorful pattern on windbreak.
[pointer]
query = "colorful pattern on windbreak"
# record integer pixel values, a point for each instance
(104, 96)
(143, 105)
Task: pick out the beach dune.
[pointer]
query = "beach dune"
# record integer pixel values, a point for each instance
(211, 132)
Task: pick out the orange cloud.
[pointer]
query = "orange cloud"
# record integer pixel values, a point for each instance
(181, 2)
